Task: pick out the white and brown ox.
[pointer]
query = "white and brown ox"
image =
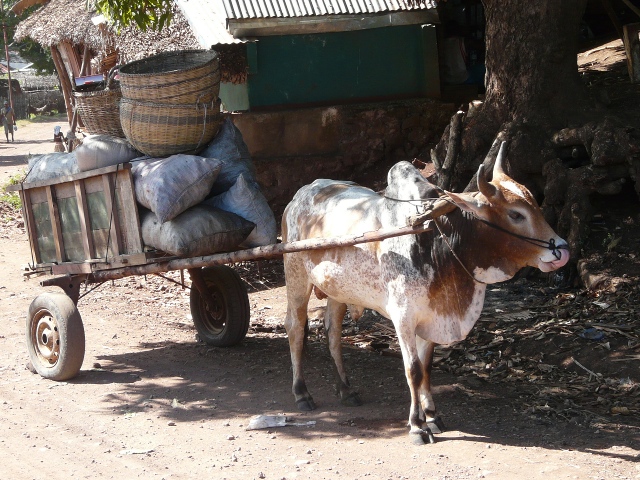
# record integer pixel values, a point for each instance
(430, 285)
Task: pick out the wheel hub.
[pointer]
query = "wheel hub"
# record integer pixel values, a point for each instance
(216, 314)
(47, 340)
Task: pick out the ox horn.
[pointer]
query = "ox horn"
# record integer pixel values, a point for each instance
(497, 166)
(488, 190)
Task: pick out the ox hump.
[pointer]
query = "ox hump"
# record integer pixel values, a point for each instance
(405, 182)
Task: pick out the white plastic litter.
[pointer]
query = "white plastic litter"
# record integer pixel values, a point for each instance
(261, 422)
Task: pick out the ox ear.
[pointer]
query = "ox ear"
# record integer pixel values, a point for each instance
(468, 201)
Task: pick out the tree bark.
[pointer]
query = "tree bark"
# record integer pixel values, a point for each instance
(560, 145)
(532, 86)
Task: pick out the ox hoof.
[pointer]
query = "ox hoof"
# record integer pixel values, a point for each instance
(351, 400)
(422, 437)
(306, 404)
(436, 425)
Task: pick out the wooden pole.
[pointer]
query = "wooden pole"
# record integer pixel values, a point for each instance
(632, 48)
(64, 81)
(608, 7)
(85, 61)
(6, 53)
(269, 251)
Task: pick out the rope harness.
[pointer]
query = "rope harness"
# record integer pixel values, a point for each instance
(424, 205)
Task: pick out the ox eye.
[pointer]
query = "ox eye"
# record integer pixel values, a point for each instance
(516, 216)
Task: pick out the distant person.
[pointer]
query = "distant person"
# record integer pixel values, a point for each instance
(8, 120)
(454, 53)
(58, 140)
(72, 141)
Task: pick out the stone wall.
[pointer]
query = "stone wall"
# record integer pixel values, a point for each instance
(292, 148)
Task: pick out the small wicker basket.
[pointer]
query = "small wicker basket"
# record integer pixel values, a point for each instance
(160, 130)
(179, 77)
(100, 111)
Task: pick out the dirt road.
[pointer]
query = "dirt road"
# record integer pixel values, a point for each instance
(152, 403)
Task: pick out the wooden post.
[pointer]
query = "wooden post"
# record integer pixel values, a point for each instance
(64, 81)
(85, 221)
(631, 40)
(608, 7)
(85, 61)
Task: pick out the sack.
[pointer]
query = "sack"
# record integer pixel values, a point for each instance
(246, 199)
(229, 147)
(51, 165)
(201, 230)
(99, 151)
(169, 186)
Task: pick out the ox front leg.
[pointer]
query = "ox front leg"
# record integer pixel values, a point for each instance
(425, 350)
(334, 315)
(295, 324)
(419, 432)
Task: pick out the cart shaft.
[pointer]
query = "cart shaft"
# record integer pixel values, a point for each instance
(258, 253)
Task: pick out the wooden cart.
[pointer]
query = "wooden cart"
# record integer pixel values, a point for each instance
(85, 229)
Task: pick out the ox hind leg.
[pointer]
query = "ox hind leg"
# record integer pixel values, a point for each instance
(298, 293)
(425, 352)
(334, 315)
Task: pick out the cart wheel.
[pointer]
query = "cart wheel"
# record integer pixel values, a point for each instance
(228, 324)
(55, 336)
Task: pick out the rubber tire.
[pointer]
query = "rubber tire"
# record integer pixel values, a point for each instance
(55, 310)
(227, 288)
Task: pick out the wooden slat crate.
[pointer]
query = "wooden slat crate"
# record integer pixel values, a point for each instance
(83, 222)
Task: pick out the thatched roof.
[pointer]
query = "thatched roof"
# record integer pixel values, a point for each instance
(134, 44)
(69, 20)
(62, 20)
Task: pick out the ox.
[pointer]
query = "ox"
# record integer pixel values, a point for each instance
(430, 285)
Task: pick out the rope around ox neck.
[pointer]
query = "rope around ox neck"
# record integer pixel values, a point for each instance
(548, 244)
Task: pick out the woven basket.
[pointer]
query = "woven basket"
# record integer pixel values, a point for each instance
(100, 111)
(160, 130)
(109, 61)
(180, 77)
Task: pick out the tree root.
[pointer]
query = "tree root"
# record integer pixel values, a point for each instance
(446, 168)
(567, 167)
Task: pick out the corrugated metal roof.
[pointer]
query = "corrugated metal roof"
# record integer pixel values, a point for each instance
(208, 21)
(243, 9)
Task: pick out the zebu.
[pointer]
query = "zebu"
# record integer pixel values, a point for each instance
(431, 285)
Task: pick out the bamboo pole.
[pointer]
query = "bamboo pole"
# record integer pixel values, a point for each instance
(268, 251)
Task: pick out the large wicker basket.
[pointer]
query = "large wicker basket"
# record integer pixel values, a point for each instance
(160, 130)
(179, 77)
(100, 111)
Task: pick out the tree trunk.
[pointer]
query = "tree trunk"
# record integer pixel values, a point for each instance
(559, 146)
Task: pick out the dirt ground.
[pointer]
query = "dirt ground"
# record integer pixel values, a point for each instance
(546, 386)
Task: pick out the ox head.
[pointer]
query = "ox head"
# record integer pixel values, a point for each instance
(511, 210)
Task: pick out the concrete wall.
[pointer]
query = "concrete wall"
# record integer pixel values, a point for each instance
(292, 148)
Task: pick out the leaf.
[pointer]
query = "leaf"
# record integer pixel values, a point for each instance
(620, 411)
(613, 243)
